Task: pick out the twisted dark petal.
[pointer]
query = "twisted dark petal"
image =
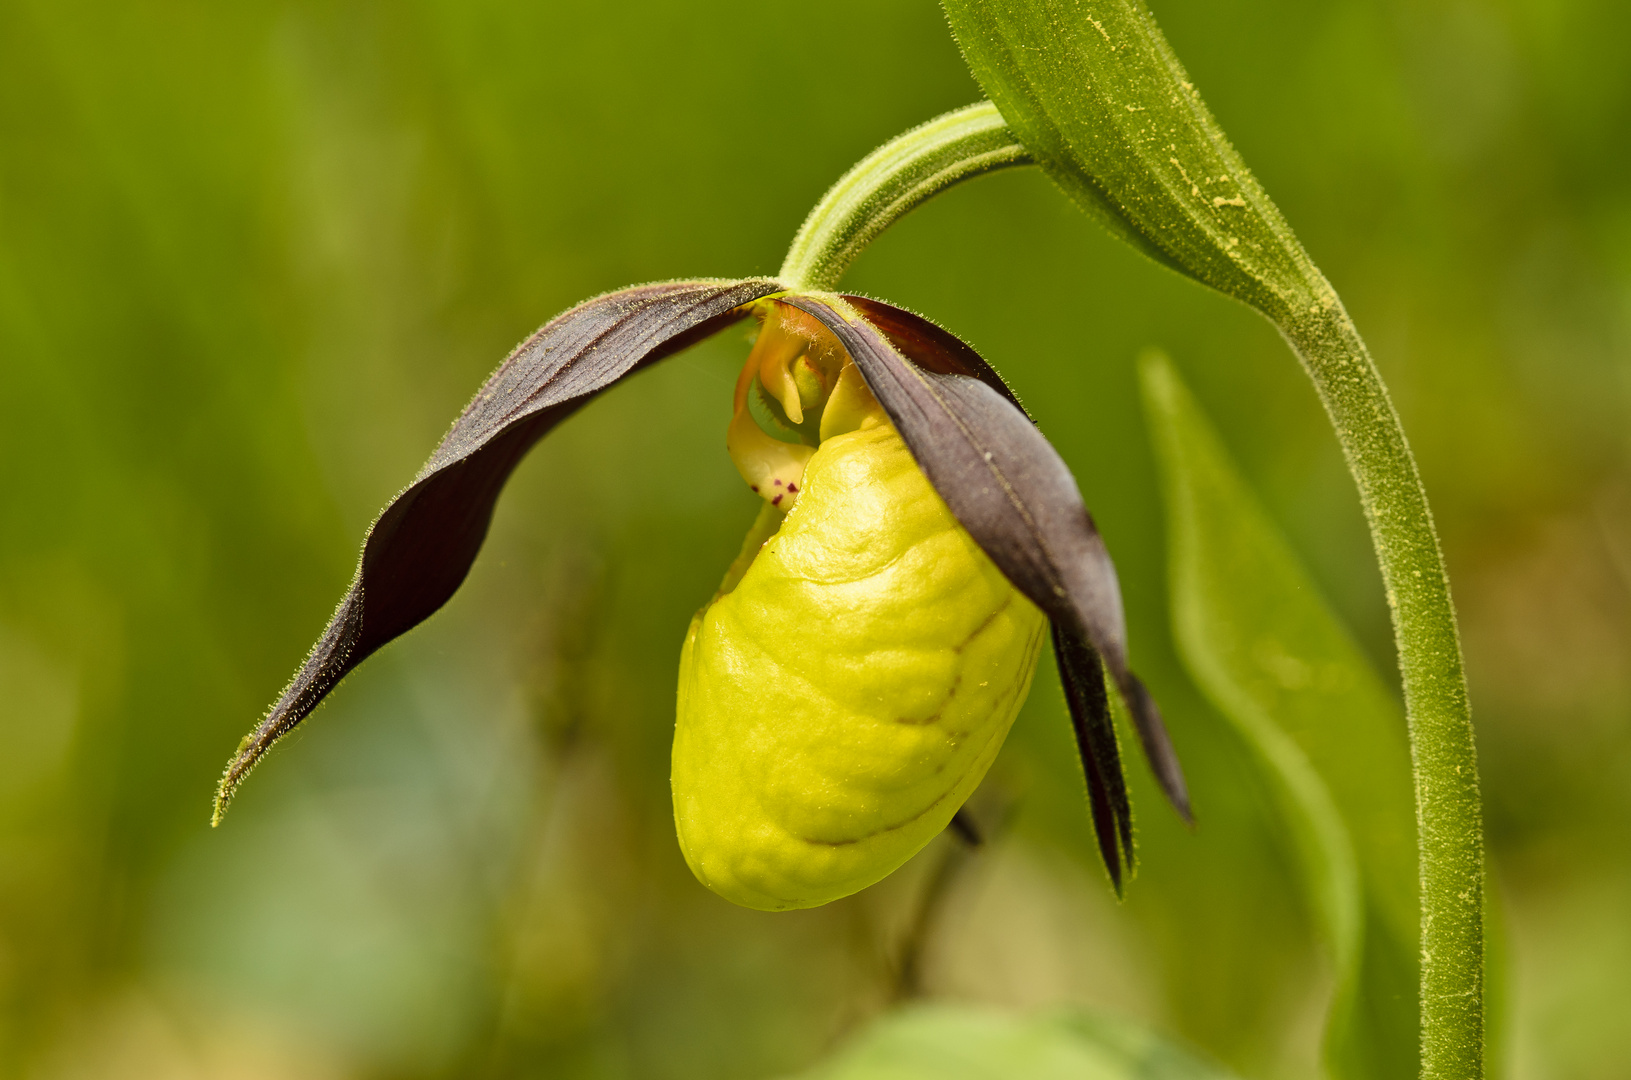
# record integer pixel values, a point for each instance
(1157, 744)
(1006, 484)
(1082, 676)
(418, 552)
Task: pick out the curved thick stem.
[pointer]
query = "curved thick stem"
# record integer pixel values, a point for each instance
(1449, 814)
(889, 183)
(970, 142)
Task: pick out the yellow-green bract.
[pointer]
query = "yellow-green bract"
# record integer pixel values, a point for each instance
(840, 698)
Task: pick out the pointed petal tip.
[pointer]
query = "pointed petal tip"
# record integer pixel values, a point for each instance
(1121, 867)
(250, 751)
(224, 791)
(1157, 744)
(1081, 676)
(419, 549)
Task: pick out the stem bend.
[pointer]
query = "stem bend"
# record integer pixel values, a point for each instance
(892, 181)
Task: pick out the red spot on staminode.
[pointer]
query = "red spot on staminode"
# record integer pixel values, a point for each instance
(776, 500)
(754, 486)
(778, 483)
(793, 488)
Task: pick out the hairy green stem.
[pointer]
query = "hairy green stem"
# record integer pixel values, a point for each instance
(970, 142)
(892, 181)
(1449, 814)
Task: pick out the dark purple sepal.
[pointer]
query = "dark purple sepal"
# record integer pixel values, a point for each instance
(419, 550)
(1005, 483)
(1081, 676)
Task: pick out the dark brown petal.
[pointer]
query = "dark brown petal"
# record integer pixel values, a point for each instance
(1006, 484)
(1082, 676)
(421, 547)
(930, 346)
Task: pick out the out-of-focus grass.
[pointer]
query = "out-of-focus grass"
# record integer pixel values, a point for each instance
(254, 257)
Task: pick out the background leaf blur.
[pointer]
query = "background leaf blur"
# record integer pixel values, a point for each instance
(1260, 642)
(254, 258)
(950, 1042)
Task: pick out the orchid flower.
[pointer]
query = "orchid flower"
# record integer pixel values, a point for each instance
(857, 671)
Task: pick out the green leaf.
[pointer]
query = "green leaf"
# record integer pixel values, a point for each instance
(962, 1042)
(1266, 649)
(1099, 99)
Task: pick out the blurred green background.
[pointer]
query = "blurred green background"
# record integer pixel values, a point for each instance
(255, 256)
